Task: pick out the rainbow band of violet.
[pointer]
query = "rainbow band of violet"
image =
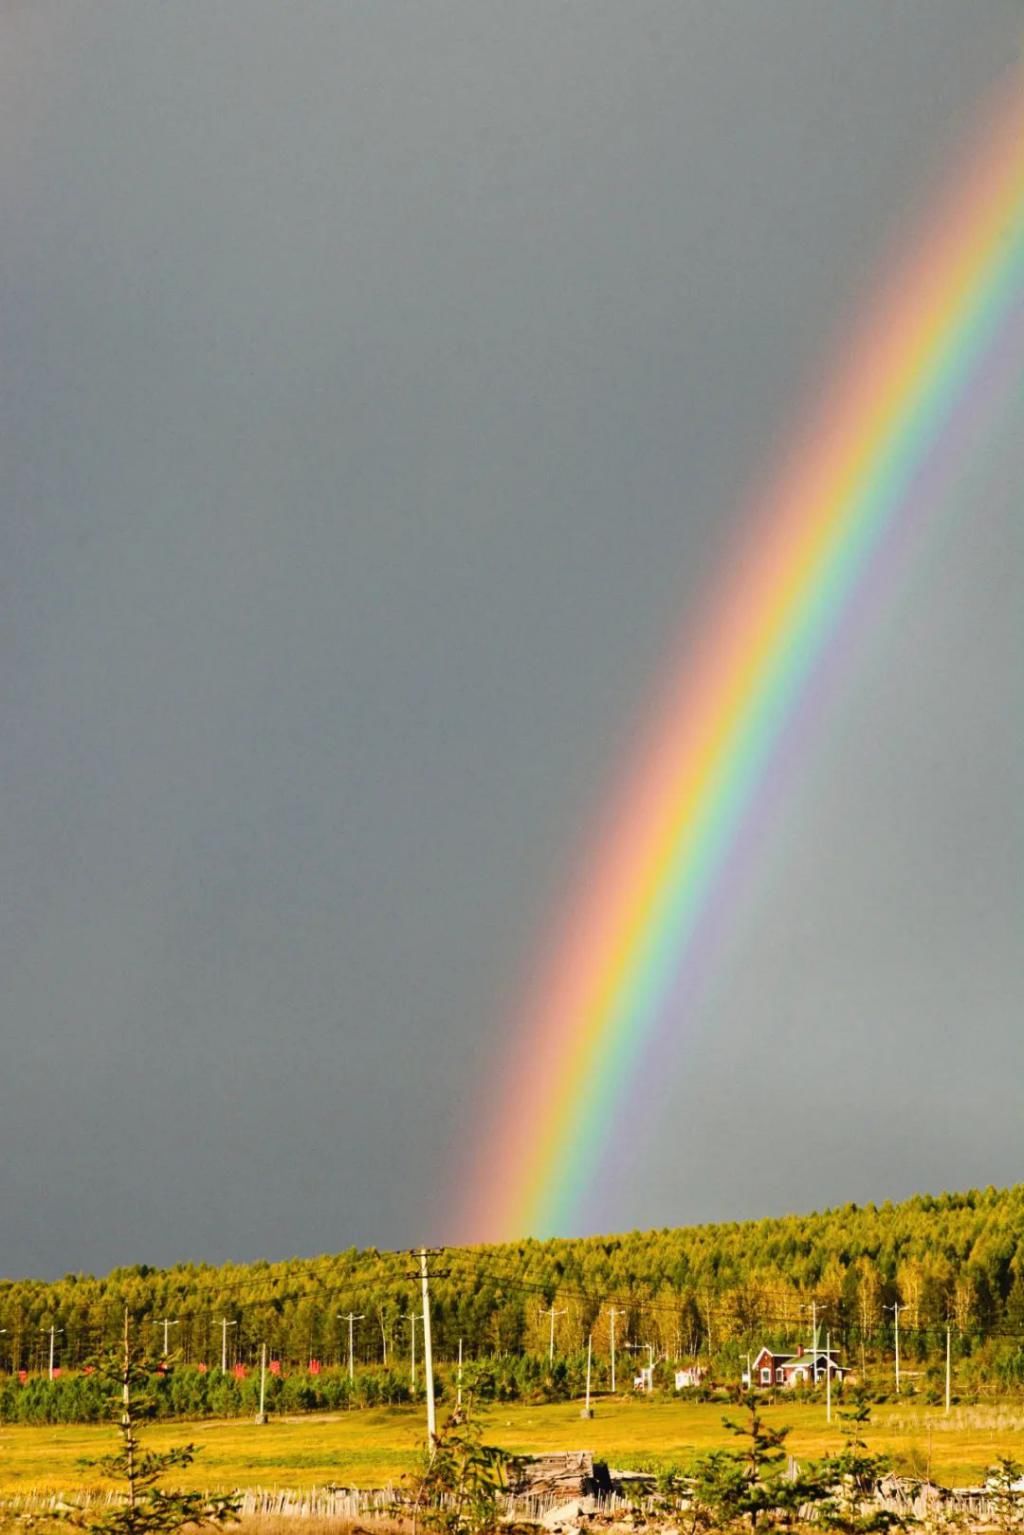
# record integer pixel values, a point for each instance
(852, 472)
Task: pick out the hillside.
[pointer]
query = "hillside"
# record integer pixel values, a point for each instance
(954, 1256)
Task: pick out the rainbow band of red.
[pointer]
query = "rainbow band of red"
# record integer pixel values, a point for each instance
(850, 472)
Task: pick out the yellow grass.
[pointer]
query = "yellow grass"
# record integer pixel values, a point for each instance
(374, 1448)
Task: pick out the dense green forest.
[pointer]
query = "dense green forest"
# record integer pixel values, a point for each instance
(711, 1292)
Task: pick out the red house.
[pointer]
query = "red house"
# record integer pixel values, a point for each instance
(805, 1367)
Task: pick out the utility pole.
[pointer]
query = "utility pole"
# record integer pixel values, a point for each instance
(588, 1411)
(613, 1312)
(812, 1307)
(414, 1317)
(896, 1323)
(167, 1324)
(458, 1380)
(224, 1325)
(949, 1370)
(828, 1377)
(261, 1416)
(53, 1331)
(551, 1338)
(351, 1317)
(428, 1353)
(126, 1393)
(895, 1309)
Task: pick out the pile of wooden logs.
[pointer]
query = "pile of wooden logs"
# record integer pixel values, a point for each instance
(573, 1474)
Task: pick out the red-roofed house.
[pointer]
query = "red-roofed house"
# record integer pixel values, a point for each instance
(805, 1367)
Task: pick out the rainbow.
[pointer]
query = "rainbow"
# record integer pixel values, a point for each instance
(946, 329)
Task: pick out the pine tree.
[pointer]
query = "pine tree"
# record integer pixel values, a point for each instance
(752, 1484)
(462, 1486)
(1006, 1500)
(146, 1508)
(852, 1478)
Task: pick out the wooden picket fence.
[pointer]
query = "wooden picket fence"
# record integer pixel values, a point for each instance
(343, 1503)
(929, 1505)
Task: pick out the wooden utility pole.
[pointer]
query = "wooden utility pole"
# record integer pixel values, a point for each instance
(127, 1436)
(949, 1369)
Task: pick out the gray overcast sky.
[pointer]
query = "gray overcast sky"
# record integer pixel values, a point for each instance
(381, 386)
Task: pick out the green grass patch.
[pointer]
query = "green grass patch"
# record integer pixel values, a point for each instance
(374, 1448)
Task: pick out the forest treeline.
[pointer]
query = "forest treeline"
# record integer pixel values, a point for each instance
(710, 1292)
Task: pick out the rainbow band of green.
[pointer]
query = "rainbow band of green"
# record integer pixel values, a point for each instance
(631, 940)
(861, 528)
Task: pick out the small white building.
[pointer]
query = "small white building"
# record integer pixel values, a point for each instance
(692, 1375)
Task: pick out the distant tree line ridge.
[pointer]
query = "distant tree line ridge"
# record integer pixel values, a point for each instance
(714, 1291)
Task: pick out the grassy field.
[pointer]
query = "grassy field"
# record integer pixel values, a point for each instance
(374, 1448)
